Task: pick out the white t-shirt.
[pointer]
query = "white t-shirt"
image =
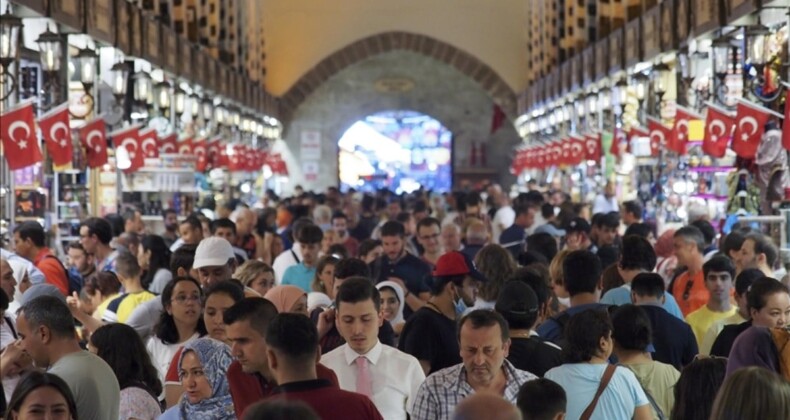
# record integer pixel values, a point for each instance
(285, 260)
(605, 205)
(162, 354)
(503, 219)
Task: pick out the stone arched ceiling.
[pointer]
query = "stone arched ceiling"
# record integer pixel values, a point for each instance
(499, 91)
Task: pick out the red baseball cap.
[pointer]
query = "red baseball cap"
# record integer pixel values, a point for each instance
(455, 263)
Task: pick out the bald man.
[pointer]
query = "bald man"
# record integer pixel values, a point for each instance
(487, 406)
(451, 237)
(245, 220)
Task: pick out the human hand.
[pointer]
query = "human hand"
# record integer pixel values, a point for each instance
(325, 321)
(74, 304)
(13, 360)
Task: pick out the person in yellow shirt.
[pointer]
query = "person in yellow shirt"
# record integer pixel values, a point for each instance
(129, 273)
(718, 272)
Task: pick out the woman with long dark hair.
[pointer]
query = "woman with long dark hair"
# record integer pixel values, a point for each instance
(154, 259)
(40, 391)
(697, 388)
(179, 323)
(122, 348)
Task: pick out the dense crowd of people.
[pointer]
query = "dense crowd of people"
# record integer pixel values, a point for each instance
(335, 305)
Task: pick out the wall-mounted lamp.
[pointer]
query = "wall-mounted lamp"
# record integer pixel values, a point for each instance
(10, 26)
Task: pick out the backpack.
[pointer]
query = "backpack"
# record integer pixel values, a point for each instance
(75, 279)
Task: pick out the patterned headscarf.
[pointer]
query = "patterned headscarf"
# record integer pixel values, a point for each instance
(215, 358)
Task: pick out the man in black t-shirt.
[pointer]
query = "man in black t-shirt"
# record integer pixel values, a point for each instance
(430, 334)
(518, 304)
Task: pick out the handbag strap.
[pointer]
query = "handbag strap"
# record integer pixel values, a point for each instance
(607, 376)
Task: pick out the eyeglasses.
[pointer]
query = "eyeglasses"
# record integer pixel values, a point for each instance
(184, 299)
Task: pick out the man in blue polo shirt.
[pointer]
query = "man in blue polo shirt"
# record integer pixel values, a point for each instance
(398, 265)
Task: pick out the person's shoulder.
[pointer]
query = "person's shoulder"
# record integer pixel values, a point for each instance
(445, 377)
(334, 358)
(401, 357)
(519, 375)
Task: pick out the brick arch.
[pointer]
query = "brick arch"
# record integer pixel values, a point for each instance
(385, 42)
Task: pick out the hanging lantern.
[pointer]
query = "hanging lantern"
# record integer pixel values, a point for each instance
(620, 91)
(207, 108)
(661, 74)
(640, 83)
(143, 87)
(179, 100)
(755, 44)
(49, 48)
(194, 105)
(721, 57)
(120, 75)
(10, 26)
(162, 90)
(86, 59)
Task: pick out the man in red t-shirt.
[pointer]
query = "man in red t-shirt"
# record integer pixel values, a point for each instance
(30, 244)
(689, 287)
(340, 225)
(249, 376)
(293, 351)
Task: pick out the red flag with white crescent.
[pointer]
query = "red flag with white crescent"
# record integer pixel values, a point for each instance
(148, 143)
(618, 138)
(93, 137)
(578, 145)
(659, 135)
(750, 121)
(169, 144)
(718, 130)
(129, 138)
(56, 129)
(565, 158)
(199, 150)
(185, 146)
(592, 147)
(786, 122)
(236, 158)
(18, 134)
(678, 141)
(213, 151)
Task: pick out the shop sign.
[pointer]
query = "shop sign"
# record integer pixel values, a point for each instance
(616, 51)
(667, 28)
(99, 19)
(633, 42)
(651, 43)
(576, 71)
(123, 28)
(737, 9)
(136, 23)
(153, 41)
(310, 145)
(68, 12)
(601, 59)
(169, 48)
(588, 65)
(707, 16)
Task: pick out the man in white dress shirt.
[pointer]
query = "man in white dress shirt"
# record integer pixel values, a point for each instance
(387, 375)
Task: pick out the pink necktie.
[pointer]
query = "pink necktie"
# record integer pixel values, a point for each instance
(364, 382)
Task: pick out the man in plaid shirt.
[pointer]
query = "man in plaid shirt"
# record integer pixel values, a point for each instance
(485, 341)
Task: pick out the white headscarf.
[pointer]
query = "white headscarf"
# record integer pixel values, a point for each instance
(20, 270)
(401, 298)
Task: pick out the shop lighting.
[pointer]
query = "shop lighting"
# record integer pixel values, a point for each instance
(179, 100)
(208, 109)
(120, 75)
(604, 99)
(143, 87)
(49, 47)
(194, 105)
(721, 57)
(592, 102)
(10, 26)
(620, 90)
(220, 114)
(641, 82)
(758, 53)
(661, 75)
(163, 95)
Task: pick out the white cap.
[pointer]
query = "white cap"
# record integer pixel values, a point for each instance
(213, 251)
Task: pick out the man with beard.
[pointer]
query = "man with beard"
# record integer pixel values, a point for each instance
(429, 335)
(340, 225)
(170, 234)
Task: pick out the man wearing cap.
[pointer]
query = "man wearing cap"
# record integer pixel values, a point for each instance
(484, 339)
(578, 235)
(513, 237)
(430, 333)
(518, 304)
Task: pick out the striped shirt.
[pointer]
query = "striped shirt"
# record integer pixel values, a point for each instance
(445, 389)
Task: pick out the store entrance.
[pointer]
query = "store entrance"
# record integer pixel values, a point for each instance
(398, 150)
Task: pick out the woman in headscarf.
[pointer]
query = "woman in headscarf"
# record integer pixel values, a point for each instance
(392, 300)
(22, 283)
(288, 299)
(203, 371)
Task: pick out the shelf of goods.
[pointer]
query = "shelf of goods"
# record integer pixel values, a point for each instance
(167, 182)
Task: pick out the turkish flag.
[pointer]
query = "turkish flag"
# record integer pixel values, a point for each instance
(578, 146)
(566, 158)
(213, 152)
(129, 138)
(56, 129)
(169, 144)
(93, 137)
(680, 131)
(199, 150)
(636, 131)
(749, 128)
(251, 160)
(17, 131)
(659, 135)
(539, 159)
(556, 153)
(786, 122)
(148, 143)
(592, 147)
(185, 146)
(718, 128)
(236, 158)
